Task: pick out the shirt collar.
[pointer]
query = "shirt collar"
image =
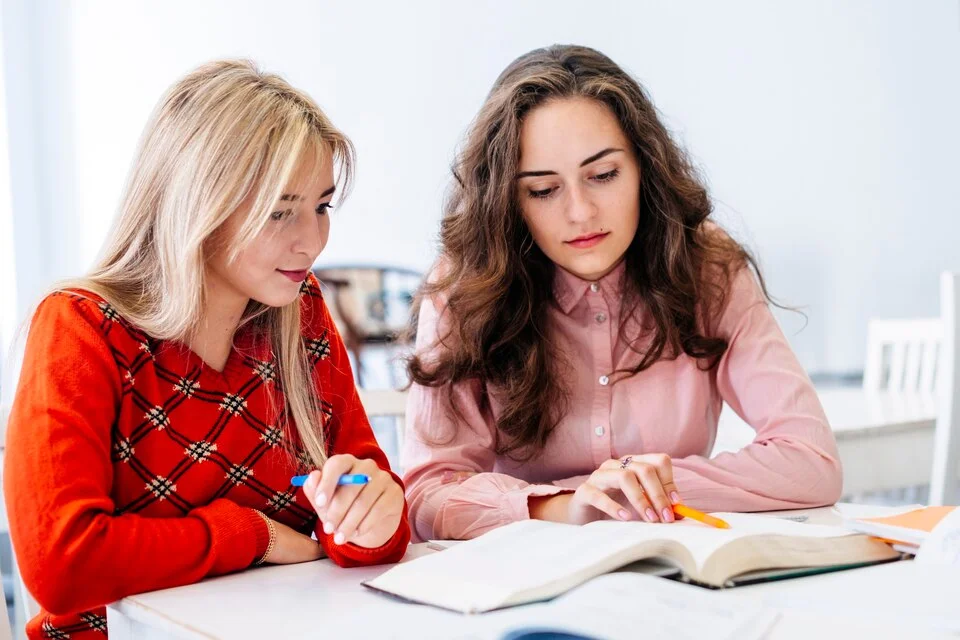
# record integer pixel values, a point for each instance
(569, 289)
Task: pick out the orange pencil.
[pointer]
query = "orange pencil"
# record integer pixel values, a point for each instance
(699, 516)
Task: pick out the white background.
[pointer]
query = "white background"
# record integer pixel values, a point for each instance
(827, 129)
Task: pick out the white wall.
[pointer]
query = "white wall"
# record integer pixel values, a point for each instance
(8, 283)
(827, 129)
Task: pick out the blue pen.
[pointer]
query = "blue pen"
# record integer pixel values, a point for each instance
(347, 478)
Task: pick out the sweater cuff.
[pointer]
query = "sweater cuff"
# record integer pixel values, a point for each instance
(352, 555)
(262, 535)
(238, 535)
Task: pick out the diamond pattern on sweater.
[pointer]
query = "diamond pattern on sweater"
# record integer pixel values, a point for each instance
(188, 435)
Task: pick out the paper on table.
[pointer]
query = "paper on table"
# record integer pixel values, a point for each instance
(627, 606)
(942, 546)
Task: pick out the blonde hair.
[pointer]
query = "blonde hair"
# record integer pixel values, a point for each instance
(225, 132)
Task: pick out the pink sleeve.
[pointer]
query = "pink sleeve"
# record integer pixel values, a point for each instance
(572, 482)
(792, 461)
(451, 489)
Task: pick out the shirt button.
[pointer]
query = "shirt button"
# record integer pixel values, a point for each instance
(599, 431)
(604, 380)
(594, 287)
(601, 317)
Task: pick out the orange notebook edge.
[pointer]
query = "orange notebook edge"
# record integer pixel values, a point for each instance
(924, 519)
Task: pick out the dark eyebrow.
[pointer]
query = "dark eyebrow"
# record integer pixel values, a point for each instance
(599, 155)
(328, 192)
(535, 174)
(593, 158)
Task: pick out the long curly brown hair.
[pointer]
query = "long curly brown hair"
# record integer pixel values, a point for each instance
(495, 290)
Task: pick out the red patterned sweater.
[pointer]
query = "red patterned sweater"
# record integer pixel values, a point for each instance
(131, 466)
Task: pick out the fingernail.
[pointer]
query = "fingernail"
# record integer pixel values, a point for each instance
(675, 497)
(624, 515)
(320, 499)
(667, 515)
(327, 528)
(651, 515)
(338, 539)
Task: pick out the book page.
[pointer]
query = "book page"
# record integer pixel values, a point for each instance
(484, 573)
(751, 523)
(630, 606)
(702, 540)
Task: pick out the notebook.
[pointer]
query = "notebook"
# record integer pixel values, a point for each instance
(905, 530)
(532, 560)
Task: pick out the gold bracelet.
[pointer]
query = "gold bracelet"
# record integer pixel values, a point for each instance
(271, 542)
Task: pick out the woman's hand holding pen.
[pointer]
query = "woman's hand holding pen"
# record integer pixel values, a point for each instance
(366, 514)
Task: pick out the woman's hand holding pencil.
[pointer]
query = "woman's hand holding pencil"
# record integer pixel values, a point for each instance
(628, 488)
(634, 487)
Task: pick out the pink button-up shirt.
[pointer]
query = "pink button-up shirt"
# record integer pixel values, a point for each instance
(457, 487)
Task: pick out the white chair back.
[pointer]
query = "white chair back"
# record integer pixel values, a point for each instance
(917, 357)
(903, 355)
(944, 485)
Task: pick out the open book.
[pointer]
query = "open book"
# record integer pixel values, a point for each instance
(533, 560)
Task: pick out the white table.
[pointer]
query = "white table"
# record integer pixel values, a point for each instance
(885, 439)
(321, 600)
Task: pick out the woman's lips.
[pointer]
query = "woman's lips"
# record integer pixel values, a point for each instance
(587, 241)
(296, 276)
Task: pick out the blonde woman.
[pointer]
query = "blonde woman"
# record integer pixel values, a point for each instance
(168, 397)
